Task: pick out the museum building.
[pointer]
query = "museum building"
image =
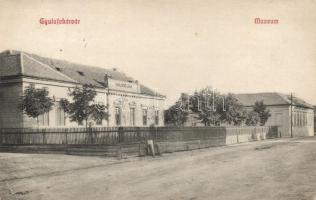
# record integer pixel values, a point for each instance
(129, 103)
(292, 115)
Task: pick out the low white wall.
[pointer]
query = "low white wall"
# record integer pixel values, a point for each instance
(245, 134)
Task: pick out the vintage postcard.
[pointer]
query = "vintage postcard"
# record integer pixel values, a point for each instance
(157, 100)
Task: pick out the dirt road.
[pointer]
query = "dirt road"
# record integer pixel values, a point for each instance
(274, 169)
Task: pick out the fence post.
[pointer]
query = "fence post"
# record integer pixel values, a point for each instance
(152, 133)
(120, 152)
(44, 136)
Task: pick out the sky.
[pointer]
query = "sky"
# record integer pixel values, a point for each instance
(177, 46)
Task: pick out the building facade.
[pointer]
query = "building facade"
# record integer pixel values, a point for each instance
(128, 102)
(281, 108)
(293, 115)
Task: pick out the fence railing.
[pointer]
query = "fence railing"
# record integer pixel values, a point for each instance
(119, 135)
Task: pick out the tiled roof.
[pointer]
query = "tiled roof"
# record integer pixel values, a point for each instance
(270, 99)
(148, 91)
(33, 68)
(61, 70)
(92, 75)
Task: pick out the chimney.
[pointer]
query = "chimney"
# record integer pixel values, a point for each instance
(138, 87)
(106, 80)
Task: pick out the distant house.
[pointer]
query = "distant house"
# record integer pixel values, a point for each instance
(129, 103)
(281, 110)
(279, 106)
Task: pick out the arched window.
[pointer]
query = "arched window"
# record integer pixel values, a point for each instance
(145, 115)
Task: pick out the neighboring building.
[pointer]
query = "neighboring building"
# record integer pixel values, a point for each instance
(281, 111)
(279, 106)
(129, 102)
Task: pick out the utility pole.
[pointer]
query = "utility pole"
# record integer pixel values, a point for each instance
(107, 93)
(291, 115)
